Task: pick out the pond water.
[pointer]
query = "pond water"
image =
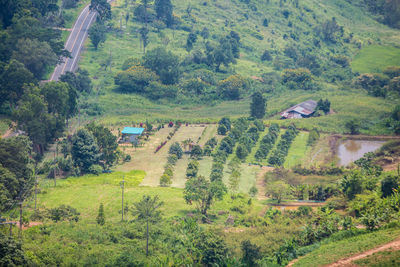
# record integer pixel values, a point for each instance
(352, 150)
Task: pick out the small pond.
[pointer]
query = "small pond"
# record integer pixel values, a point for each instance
(352, 150)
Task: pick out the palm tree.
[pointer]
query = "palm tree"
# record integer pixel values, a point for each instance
(147, 210)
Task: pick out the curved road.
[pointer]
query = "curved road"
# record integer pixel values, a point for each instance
(75, 42)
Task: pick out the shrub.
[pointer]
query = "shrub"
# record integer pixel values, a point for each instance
(232, 87)
(176, 149)
(63, 213)
(135, 79)
(222, 129)
(95, 169)
(165, 180)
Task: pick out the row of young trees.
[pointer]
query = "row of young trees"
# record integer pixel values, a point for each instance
(282, 149)
(267, 142)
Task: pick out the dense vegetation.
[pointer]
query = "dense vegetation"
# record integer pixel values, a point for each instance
(230, 67)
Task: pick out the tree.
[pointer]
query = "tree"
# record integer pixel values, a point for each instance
(80, 80)
(11, 252)
(241, 152)
(192, 169)
(12, 79)
(176, 149)
(35, 55)
(203, 193)
(144, 36)
(101, 220)
(106, 141)
(232, 87)
(352, 184)
(56, 95)
(222, 129)
(196, 152)
(97, 34)
(353, 126)
(258, 105)
(135, 79)
(278, 190)
(32, 117)
(234, 180)
(84, 150)
(102, 7)
(15, 170)
(147, 210)
(164, 10)
(226, 122)
(164, 63)
(251, 253)
(191, 39)
(389, 184)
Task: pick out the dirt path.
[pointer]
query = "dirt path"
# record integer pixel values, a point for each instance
(394, 245)
(260, 183)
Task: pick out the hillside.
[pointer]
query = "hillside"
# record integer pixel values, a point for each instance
(292, 38)
(167, 147)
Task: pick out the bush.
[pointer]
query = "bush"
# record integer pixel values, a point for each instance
(95, 169)
(165, 180)
(135, 79)
(222, 129)
(176, 149)
(232, 87)
(63, 213)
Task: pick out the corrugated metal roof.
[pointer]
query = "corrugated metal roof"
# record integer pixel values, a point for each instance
(304, 108)
(132, 130)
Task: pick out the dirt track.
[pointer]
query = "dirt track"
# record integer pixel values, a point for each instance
(394, 245)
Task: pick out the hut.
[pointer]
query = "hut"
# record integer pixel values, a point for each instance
(131, 134)
(303, 110)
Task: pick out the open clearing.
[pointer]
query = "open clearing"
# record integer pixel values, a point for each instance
(376, 58)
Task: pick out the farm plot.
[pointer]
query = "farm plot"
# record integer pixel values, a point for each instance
(297, 151)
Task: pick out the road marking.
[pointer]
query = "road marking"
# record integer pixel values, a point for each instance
(68, 40)
(83, 39)
(73, 45)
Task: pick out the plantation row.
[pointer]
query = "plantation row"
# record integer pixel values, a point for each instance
(268, 142)
(281, 151)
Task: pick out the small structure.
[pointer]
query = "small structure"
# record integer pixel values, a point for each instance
(299, 111)
(131, 134)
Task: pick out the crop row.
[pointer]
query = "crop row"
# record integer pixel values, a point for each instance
(268, 142)
(281, 151)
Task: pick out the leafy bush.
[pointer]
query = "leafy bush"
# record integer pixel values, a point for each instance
(63, 213)
(95, 169)
(176, 149)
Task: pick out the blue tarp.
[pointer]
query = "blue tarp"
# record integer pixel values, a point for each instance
(132, 130)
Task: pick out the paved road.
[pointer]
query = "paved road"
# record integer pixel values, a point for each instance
(75, 43)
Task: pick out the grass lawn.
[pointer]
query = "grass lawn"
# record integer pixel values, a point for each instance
(376, 58)
(332, 252)
(297, 151)
(386, 258)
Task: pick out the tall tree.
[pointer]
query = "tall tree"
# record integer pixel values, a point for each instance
(258, 105)
(97, 34)
(164, 10)
(102, 7)
(15, 170)
(32, 117)
(14, 76)
(35, 55)
(203, 193)
(164, 63)
(144, 36)
(147, 210)
(84, 150)
(106, 141)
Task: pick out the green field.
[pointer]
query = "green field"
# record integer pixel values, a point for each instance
(297, 151)
(331, 252)
(376, 58)
(383, 259)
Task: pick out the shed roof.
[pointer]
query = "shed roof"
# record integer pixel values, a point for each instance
(132, 130)
(305, 108)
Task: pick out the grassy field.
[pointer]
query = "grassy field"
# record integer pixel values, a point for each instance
(298, 151)
(376, 58)
(386, 258)
(331, 252)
